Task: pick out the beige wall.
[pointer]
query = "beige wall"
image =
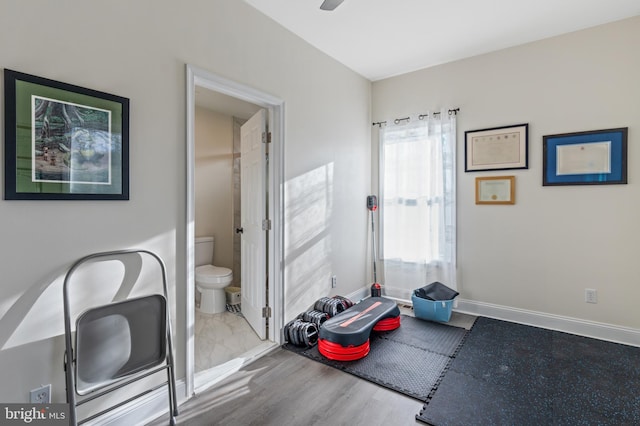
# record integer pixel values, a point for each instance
(538, 254)
(541, 253)
(139, 50)
(213, 182)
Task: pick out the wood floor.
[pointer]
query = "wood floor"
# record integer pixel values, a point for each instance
(283, 389)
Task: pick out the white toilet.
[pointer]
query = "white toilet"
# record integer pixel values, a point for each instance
(210, 280)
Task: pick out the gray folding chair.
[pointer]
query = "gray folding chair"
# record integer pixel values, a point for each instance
(117, 344)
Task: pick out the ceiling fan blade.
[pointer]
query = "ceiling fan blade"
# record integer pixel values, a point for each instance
(330, 4)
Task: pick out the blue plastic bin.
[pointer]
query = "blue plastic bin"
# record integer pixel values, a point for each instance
(433, 310)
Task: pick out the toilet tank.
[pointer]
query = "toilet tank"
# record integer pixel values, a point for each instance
(204, 251)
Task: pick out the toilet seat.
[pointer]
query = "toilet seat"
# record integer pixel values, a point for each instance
(209, 274)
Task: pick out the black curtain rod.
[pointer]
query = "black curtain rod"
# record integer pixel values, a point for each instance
(420, 117)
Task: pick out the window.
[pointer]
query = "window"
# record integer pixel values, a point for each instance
(417, 185)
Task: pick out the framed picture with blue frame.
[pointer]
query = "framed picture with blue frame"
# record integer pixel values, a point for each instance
(597, 157)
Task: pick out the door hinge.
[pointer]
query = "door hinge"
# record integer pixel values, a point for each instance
(266, 225)
(266, 137)
(266, 312)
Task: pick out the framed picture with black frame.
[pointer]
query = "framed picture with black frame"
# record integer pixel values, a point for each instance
(64, 142)
(497, 148)
(596, 157)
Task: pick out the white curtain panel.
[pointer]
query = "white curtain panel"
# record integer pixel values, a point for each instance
(418, 208)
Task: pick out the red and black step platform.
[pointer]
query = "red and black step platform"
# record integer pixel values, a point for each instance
(345, 337)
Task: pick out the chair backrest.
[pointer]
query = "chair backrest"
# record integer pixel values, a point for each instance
(117, 340)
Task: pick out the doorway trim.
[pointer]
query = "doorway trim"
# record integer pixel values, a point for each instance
(275, 194)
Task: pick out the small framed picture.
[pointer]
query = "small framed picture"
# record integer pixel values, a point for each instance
(64, 142)
(496, 190)
(498, 148)
(597, 157)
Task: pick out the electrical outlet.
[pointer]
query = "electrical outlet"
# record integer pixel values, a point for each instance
(590, 295)
(41, 395)
(334, 281)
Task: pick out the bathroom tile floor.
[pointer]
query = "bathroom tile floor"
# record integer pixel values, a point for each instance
(221, 338)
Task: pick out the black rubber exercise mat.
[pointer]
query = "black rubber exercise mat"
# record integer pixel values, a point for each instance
(409, 360)
(427, 335)
(513, 374)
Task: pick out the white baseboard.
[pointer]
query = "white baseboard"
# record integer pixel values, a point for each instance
(358, 295)
(596, 330)
(142, 410)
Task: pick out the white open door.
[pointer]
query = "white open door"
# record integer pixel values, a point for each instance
(253, 213)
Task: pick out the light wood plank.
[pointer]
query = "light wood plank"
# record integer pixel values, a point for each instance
(283, 388)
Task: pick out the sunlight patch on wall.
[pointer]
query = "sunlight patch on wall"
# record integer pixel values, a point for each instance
(38, 313)
(308, 215)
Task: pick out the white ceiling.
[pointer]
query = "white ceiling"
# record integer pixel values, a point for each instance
(383, 38)
(221, 103)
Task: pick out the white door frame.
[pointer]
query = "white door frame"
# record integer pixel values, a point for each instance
(275, 106)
